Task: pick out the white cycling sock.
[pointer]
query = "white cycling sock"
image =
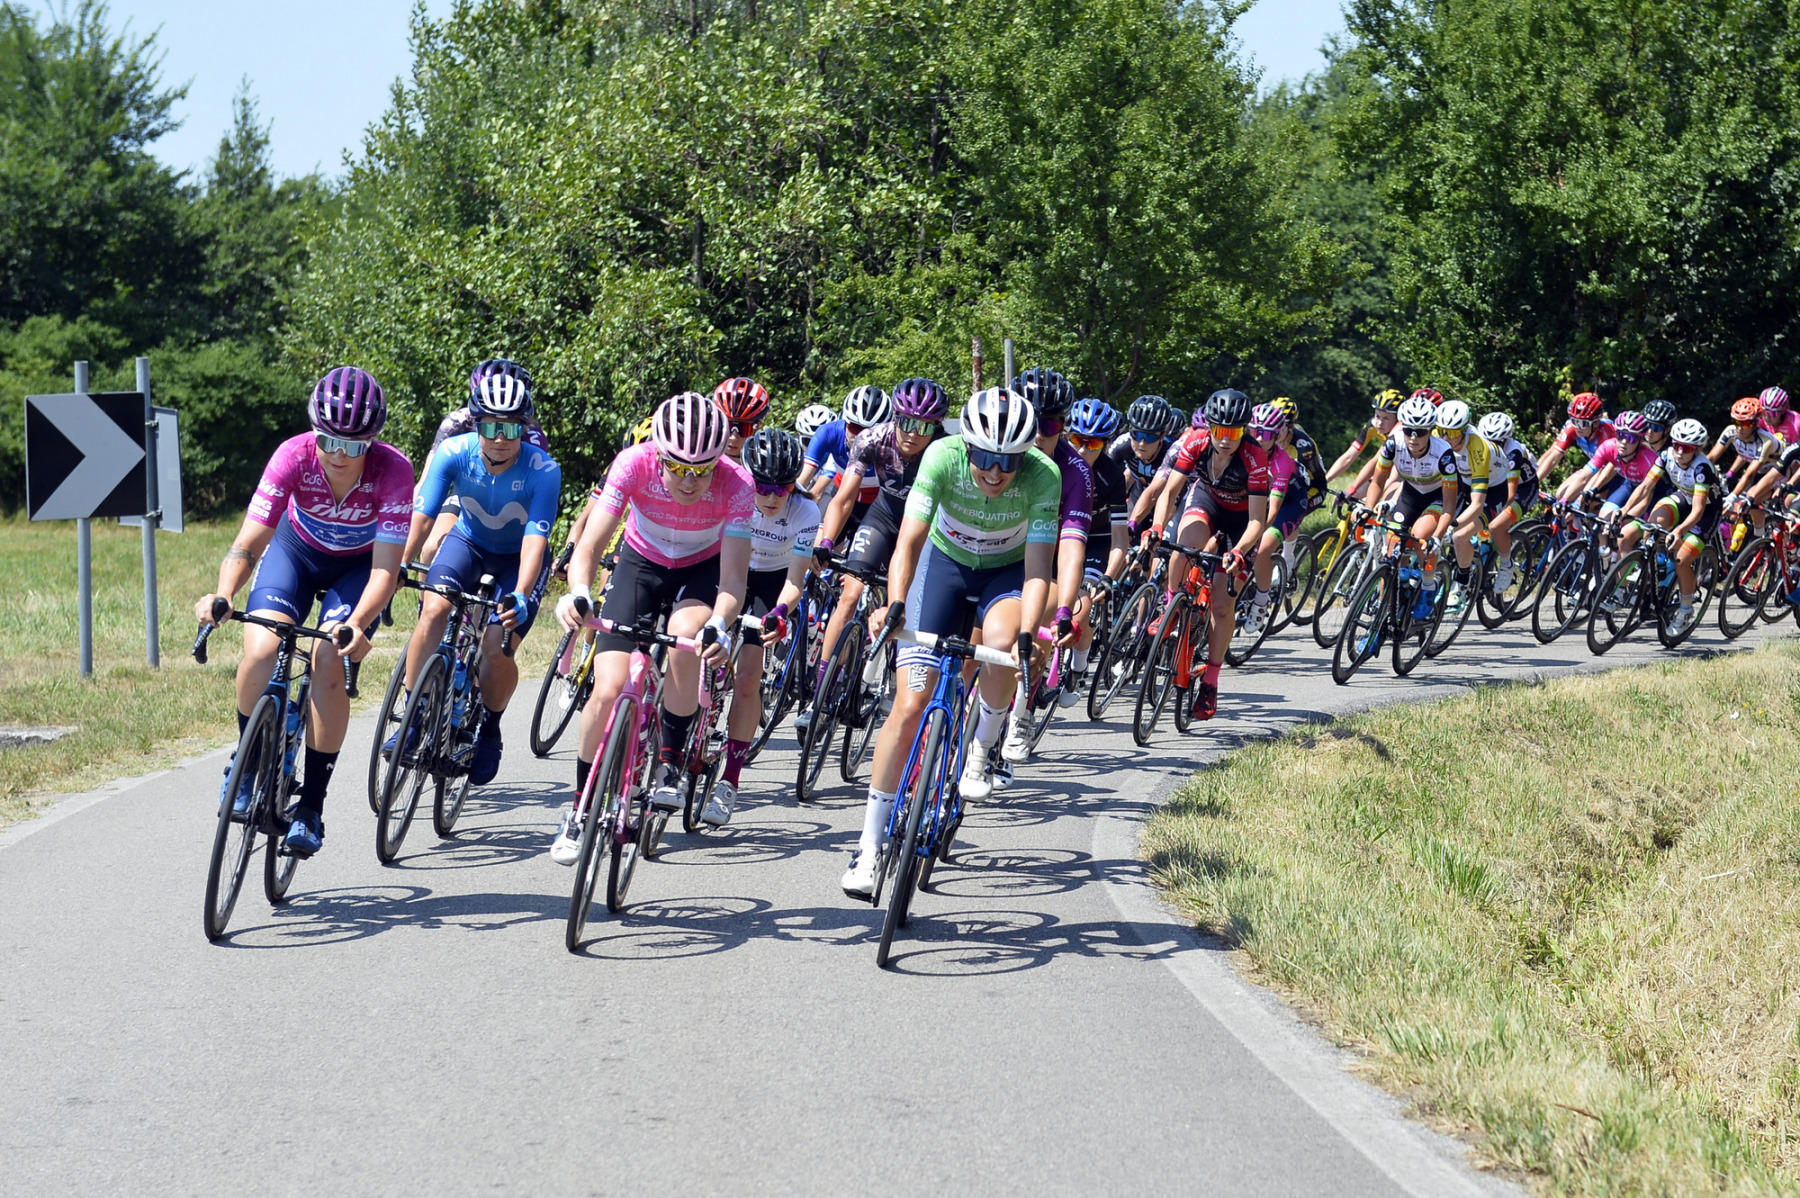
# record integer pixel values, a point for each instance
(987, 724)
(1078, 661)
(875, 817)
(1262, 597)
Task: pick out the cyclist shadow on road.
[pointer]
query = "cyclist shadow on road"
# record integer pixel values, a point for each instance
(348, 913)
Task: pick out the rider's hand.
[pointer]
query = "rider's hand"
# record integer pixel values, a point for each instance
(1235, 564)
(567, 610)
(1065, 627)
(1022, 651)
(822, 552)
(515, 611)
(203, 610)
(712, 643)
(359, 645)
(894, 617)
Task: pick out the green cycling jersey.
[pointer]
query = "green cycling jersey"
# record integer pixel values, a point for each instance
(979, 532)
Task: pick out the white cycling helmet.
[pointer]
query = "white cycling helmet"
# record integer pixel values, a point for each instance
(1496, 427)
(1453, 414)
(1418, 413)
(811, 419)
(690, 428)
(999, 421)
(1689, 432)
(501, 397)
(867, 406)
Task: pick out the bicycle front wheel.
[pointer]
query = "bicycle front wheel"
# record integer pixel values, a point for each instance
(1335, 592)
(828, 709)
(1562, 595)
(1617, 601)
(393, 710)
(561, 695)
(1300, 582)
(1747, 588)
(409, 767)
(1127, 642)
(1158, 678)
(1448, 621)
(871, 704)
(608, 789)
(905, 864)
(1363, 628)
(234, 837)
(1190, 658)
(783, 663)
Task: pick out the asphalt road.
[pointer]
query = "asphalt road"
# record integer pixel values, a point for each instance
(1047, 1027)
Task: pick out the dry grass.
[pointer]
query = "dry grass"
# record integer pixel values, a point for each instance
(1562, 915)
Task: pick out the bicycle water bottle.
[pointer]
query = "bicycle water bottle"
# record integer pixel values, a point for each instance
(462, 694)
(1737, 536)
(294, 738)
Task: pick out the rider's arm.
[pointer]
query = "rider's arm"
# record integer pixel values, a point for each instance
(1174, 487)
(240, 561)
(1344, 460)
(1449, 512)
(837, 512)
(734, 568)
(1115, 558)
(1378, 477)
(1035, 595)
(588, 549)
(384, 577)
(1253, 530)
(907, 546)
(1071, 568)
(1640, 494)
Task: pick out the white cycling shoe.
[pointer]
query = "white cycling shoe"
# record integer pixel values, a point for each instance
(719, 806)
(1255, 618)
(977, 781)
(566, 848)
(666, 797)
(1503, 579)
(859, 880)
(1073, 686)
(1015, 746)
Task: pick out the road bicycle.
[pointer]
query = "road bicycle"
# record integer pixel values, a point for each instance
(264, 766)
(1119, 659)
(568, 680)
(1350, 567)
(857, 687)
(1178, 652)
(1393, 606)
(1245, 643)
(791, 662)
(1641, 587)
(703, 755)
(1567, 581)
(436, 736)
(1764, 582)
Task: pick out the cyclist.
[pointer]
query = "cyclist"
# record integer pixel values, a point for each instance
(1273, 432)
(1687, 509)
(1092, 426)
(1756, 452)
(1151, 430)
(781, 538)
(329, 514)
(1587, 429)
(1659, 415)
(687, 511)
(1308, 488)
(460, 421)
(1778, 418)
(1615, 471)
(1051, 396)
(1228, 498)
(864, 408)
(509, 492)
(980, 529)
(812, 418)
(1426, 467)
(1374, 433)
(1505, 510)
(887, 455)
(745, 402)
(1479, 470)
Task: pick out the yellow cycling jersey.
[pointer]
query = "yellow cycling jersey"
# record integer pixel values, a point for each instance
(1476, 463)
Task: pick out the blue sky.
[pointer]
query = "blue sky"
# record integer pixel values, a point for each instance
(321, 69)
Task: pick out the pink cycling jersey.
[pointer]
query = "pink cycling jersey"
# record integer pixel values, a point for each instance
(665, 530)
(1787, 428)
(378, 507)
(1633, 471)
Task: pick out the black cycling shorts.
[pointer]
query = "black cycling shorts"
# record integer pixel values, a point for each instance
(872, 548)
(641, 590)
(1414, 503)
(1228, 525)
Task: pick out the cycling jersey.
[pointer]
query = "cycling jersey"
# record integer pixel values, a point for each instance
(1112, 490)
(1632, 469)
(498, 510)
(1284, 473)
(378, 507)
(1763, 447)
(775, 540)
(1138, 473)
(1245, 474)
(877, 454)
(1590, 444)
(661, 528)
(1700, 478)
(1075, 509)
(1422, 472)
(1478, 467)
(1787, 428)
(977, 531)
(1309, 468)
(1520, 466)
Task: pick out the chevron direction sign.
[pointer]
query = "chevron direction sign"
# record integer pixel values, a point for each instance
(84, 455)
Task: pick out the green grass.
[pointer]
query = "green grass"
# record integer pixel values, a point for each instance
(1562, 917)
(132, 719)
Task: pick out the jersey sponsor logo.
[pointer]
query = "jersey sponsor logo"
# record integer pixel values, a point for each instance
(512, 513)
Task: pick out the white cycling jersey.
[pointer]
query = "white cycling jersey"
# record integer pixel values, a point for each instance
(775, 540)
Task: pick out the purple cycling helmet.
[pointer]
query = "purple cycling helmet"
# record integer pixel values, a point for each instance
(920, 399)
(348, 403)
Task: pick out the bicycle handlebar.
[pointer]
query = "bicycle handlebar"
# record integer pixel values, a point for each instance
(340, 636)
(504, 603)
(956, 646)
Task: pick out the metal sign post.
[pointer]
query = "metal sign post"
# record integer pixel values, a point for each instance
(84, 561)
(152, 517)
(975, 354)
(1007, 381)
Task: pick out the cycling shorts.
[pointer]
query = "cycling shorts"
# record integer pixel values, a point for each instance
(948, 598)
(640, 590)
(1099, 549)
(1683, 507)
(1616, 495)
(1414, 503)
(292, 572)
(1293, 510)
(460, 563)
(1227, 525)
(763, 591)
(1528, 495)
(872, 548)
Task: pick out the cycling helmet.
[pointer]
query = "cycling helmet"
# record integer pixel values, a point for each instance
(867, 406)
(1746, 410)
(1453, 415)
(638, 433)
(348, 403)
(1689, 432)
(1659, 411)
(999, 421)
(1389, 400)
(501, 397)
(921, 399)
(1094, 418)
(1267, 419)
(774, 456)
(1049, 393)
(1774, 400)
(1631, 422)
(1496, 427)
(690, 428)
(1226, 407)
(1418, 413)
(1198, 420)
(742, 399)
(1288, 407)
(1429, 395)
(1178, 420)
(811, 419)
(492, 367)
(1585, 406)
(1149, 413)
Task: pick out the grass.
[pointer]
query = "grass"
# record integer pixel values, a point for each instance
(129, 718)
(1562, 917)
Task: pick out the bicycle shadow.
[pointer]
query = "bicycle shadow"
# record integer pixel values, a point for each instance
(348, 913)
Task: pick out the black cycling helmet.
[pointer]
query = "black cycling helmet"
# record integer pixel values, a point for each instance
(1660, 411)
(1049, 393)
(1228, 407)
(1178, 421)
(774, 457)
(1149, 414)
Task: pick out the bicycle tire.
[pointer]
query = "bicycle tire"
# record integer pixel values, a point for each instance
(1158, 677)
(1125, 646)
(559, 687)
(860, 735)
(1236, 655)
(389, 721)
(625, 854)
(1530, 553)
(1435, 642)
(447, 804)
(1360, 637)
(596, 831)
(695, 763)
(278, 871)
(787, 660)
(828, 704)
(1409, 630)
(1199, 642)
(906, 863)
(1747, 585)
(1335, 592)
(1785, 565)
(230, 859)
(1609, 622)
(404, 783)
(1327, 548)
(1560, 599)
(1299, 583)
(1490, 608)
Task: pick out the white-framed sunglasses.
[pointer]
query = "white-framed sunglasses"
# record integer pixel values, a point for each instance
(330, 444)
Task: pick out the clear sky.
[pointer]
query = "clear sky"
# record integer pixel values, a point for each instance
(321, 69)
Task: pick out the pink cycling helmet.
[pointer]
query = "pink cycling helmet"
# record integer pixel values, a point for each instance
(1631, 422)
(1774, 400)
(1267, 420)
(690, 428)
(348, 403)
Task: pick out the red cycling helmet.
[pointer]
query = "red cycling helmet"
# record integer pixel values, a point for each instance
(742, 399)
(1585, 406)
(1436, 397)
(1746, 410)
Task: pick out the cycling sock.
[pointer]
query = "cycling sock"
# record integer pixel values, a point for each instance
(1210, 675)
(243, 723)
(490, 719)
(987, 724)
(875, 817)
(674, 735)
(735, 752)
(316, 778)
(1078, 661)
(1262, 597)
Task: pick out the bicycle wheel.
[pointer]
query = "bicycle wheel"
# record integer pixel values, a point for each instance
(920, 796)
(1747, 588)
(1563, 593)
(1122, 657)
(1243, 644)
(447, 804)
(1197, 640)
(561, 695)
(868, 706)
(1784, 565)
(1362, 631)
(1158, 678)
(607, 787)
(700, 764)
(1530, 554)
(783, 663)
(1618, 600)
(393, 710)
(1327, 548)
(1411, 633)
(235, 838)
(625, 852)
(828, 709)
(1298, 583)
(407, 771)
(278, 866)
(1448, 622)
(1045, 699)
(1340, 583)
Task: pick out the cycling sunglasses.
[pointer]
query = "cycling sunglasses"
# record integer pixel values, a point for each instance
(1583, 425)
(774, 488)
(1224, 432)
(501, 430)
(853, 431)
(1654, 427)
(1005, 463)
(745, 428)
(1629, 438)
(687, 469)
(914, 424)
(1146, 434)
(1050, 428)
(330, 444)
(1080, 441)
(1413, 434)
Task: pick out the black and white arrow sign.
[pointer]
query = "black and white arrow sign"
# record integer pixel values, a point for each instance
(84, 455)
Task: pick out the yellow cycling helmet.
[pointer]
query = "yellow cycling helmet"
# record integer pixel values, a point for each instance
(638, 433)
(1289, 408)
(1389, 400)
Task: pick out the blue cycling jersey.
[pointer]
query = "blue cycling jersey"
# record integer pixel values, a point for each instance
(498, 510)
(830, 448)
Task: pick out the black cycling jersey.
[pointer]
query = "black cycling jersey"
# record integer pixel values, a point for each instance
(1112, 493)
(1309, 469)
(1137, 473)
